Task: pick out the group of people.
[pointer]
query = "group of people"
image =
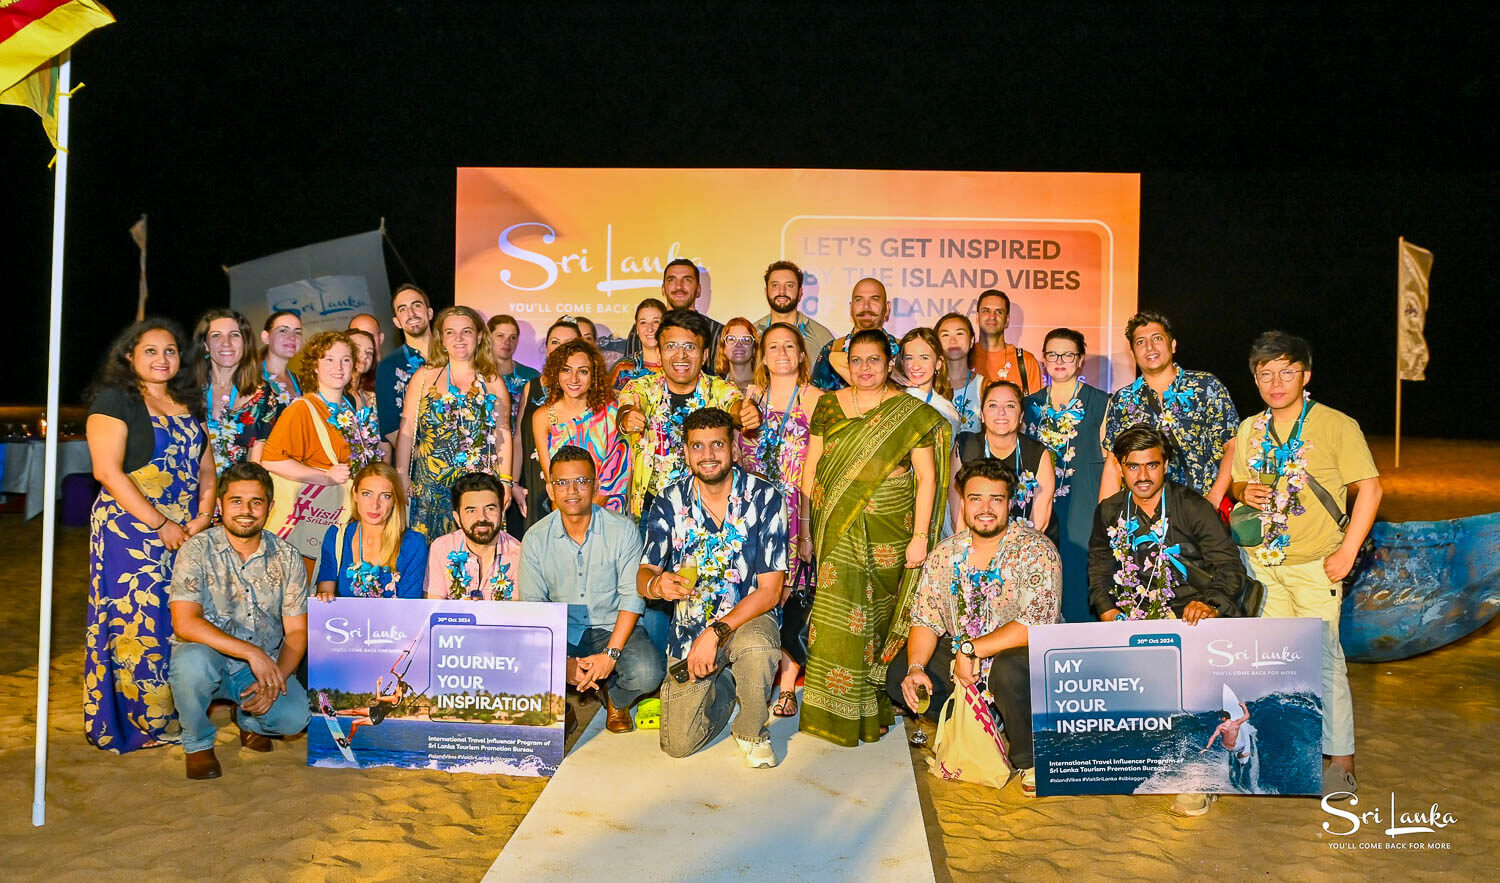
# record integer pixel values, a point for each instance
(725, 508)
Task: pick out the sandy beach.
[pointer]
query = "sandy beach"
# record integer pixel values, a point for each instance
(1426, 728)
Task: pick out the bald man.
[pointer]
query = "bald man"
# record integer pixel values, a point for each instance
(371, 326)
(869, 308)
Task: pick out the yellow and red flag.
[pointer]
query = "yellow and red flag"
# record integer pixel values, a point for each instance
(33, 33)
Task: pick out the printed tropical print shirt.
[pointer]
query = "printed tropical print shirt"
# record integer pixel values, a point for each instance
(1195, 413)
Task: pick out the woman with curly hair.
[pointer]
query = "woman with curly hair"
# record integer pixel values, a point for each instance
(456, 419)
(736, 359)
(240, 407)
(152, 457)
(581, 411)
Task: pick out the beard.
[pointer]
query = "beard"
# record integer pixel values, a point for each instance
(713, 480)
(481, 532)
(990, 533)
(243, 533)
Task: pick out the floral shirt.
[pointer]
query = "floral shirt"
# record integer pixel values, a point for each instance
(232, 431)
(1023, 583)
(658, 450)
(246, 600)
(750, 542)
(1195, 412)
(391, 377)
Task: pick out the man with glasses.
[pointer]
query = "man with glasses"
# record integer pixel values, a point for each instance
(413, 318)
(585, 556)
(783, 281)
(1298, 462)
(869, 308)
(993, 357)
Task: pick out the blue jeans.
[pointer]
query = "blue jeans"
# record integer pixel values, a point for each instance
(657, 621)
(199, 674)
(639, 671)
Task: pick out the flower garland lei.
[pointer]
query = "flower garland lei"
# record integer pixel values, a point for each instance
(1175, 402)
(769, 445)
(500, 586)
(971, 589)
(1056, 428)
(1287, 460)
(666, 432)
(360, 429)
(718, 552)
(223, 430)
(365, 578)
(1143, 591)
(1026, 485)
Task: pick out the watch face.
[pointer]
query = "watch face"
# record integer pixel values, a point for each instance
(966, 648)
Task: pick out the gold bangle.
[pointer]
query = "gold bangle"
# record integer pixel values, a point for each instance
(921, 535)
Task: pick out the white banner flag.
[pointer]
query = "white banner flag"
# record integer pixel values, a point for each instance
(1411, 306)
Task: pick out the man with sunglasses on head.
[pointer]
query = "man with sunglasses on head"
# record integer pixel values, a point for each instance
(585, 556)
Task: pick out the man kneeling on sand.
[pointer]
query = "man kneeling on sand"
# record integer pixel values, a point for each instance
(239, 623)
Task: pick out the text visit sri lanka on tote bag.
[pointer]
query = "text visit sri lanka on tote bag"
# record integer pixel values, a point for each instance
(302, 513)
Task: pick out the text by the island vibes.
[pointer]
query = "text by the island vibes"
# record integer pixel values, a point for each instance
(1429, 820)
(339, 632)
(1224, 654)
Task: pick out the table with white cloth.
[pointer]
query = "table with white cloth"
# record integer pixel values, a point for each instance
(24, 462)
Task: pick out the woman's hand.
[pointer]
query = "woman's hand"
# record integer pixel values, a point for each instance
(172, 534)
(805, 544)
(199, 524)
(338, 473)
(916, 551)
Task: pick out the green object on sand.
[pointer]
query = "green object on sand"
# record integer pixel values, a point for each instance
(648, 714)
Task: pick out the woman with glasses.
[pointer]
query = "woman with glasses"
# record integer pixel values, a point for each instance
(581, 411)
(1067, 416)
(736, 359)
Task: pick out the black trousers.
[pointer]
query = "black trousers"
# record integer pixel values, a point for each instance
(1009, 682)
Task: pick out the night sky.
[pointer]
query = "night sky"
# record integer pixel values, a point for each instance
(1282, 153)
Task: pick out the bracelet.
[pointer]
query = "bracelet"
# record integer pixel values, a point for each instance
(920, 535)
(916, 665)
(651, 585)
(505, 476)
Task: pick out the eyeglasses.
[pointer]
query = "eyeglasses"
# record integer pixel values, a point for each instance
(739, 338)
(680, 347)
(582, 482)
(1060, 357)
(1287, 375)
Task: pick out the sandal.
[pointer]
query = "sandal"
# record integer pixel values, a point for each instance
(786, 704)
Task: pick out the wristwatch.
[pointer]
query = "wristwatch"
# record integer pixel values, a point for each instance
(721, 629)
(612, 653)
(966, 648)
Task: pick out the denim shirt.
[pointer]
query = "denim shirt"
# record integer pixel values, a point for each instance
(596, 579)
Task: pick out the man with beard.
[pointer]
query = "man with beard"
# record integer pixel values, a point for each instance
(993, 357)
(680, 288)
(869, 308)
(586, 556)
(716, 549)
(1169, 535)
(784, 296)
(479, 561)
(1007, 577)
(239, 624)
(413, 318)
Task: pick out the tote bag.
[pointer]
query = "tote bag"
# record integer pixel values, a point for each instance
(302, 513)
(968, 746)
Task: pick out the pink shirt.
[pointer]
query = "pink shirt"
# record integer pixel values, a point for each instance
(456, 573)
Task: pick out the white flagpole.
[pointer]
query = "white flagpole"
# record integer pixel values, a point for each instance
(1400, 258)
(49, 471)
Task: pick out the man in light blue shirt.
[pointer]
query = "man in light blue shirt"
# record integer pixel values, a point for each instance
(586, 556)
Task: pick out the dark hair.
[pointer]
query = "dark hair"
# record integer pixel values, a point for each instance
(708, 418)
(364, 382)
(560, 323)
(572, 454)
(1274, 345)
(501, 319)
(599, 393)
(245, 470)
(247, 372)
(997, 384)
(1141, 437)
(783, 265)
(1224, 715)
(474, 481)
(992, 292)
(654, 303)
(271, 319)
(688, 320)
(407, 286)
(1146, 317)
(985, 467)
(117, 372)
(681, 262)
(579, 320)
(968, 326)
(871, 335)
(1066, 334)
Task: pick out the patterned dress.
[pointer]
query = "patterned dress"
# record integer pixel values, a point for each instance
(455, 434)
(127, 703)
(777, 453)
(598, 433)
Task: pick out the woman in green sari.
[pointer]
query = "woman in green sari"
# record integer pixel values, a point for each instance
(877, 466)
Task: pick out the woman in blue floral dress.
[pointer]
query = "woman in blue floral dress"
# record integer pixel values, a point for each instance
(151, 455)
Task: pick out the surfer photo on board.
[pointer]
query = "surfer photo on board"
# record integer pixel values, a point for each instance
(1238, 738)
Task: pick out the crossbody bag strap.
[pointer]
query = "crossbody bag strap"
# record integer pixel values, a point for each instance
(1021, 367)
(322, 431)
(1339, 516)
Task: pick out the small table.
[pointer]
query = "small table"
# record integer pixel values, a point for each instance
(24, 462)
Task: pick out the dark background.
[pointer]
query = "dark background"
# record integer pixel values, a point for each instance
(1282, 151)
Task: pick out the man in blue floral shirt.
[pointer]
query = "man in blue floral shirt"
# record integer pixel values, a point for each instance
(413, 319)
(716, 547)
(1191, 408)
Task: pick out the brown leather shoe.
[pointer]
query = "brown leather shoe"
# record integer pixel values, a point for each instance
(249, 738)
(618, 720)
(203, 765)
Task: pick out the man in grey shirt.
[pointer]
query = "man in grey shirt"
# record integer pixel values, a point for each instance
(239, 622)
(784, 296)
(586, 556)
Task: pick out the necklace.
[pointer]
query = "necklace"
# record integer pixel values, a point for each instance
(854, 397)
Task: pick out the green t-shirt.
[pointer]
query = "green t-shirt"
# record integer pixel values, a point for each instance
(1337, 456)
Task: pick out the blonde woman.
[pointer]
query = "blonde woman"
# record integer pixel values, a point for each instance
(455, 420)
(373, 555)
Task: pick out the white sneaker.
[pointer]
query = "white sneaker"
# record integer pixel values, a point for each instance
(758, 754)
(1192, 804)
